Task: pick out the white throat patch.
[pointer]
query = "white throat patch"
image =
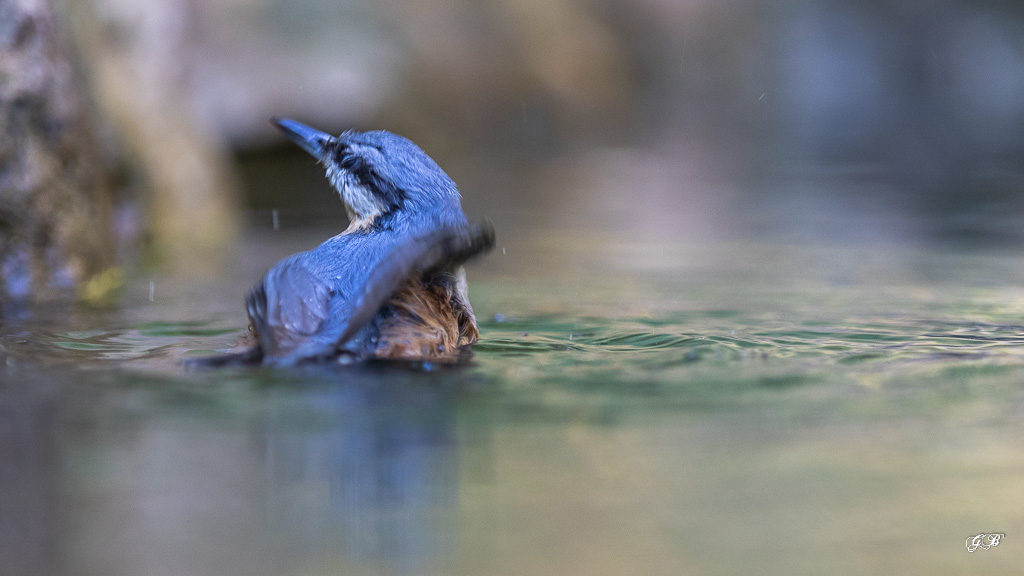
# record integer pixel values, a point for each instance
(361, 204)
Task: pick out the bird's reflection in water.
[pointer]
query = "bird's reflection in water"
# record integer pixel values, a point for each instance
(28, 451)
(366, 470)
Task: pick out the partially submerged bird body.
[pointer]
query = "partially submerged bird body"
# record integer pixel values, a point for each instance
(391, 286)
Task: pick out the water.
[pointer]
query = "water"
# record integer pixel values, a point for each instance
(702, 407)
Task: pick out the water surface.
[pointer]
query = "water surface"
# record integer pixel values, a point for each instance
(633, 408)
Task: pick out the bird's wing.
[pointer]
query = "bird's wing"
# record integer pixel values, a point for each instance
(419, 253)
(288, 308)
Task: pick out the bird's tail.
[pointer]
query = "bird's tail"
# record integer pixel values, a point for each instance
(256, 305)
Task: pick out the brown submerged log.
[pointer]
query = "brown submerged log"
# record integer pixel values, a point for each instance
(55, 229)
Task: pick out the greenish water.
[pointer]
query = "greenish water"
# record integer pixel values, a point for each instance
(632, 408)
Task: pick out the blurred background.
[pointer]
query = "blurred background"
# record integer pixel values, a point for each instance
(648, 119)
(754, 307)
(652, 120)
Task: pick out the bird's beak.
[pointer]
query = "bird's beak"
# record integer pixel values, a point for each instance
(311, 140)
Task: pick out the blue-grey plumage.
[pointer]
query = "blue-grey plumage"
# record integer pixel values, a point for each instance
(389, 286)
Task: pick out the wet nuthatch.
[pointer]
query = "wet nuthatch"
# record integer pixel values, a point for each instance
(391, 285)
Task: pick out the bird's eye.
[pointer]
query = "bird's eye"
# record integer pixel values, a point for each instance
(341, 152)
(362, 168)
(353, 164)
(358, 167)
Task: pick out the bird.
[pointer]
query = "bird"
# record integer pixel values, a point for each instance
(392, 285)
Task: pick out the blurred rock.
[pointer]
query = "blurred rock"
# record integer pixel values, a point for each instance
(54, 202)
(332, 64)
(454, 72)
(140, 56)
(527, 76)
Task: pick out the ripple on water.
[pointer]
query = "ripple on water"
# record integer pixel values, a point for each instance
(743, 339)
(160, 344)
(622, 344)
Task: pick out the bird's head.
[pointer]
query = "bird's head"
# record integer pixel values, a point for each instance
(377, 173)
